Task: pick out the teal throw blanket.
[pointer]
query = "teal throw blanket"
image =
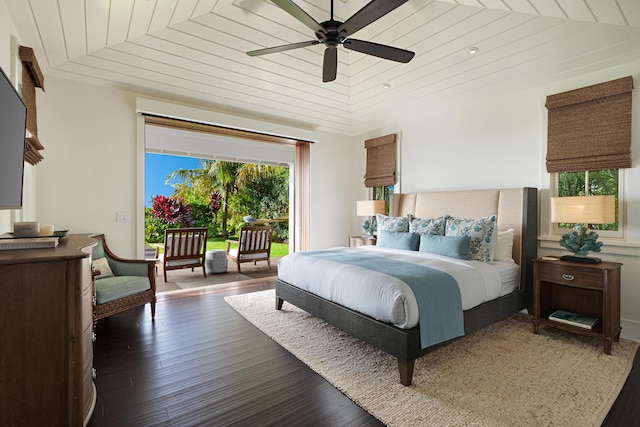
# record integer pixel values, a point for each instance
(437, 292)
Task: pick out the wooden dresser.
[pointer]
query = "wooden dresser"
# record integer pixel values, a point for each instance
(46, 363)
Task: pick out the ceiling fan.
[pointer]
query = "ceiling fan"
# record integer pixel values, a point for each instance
(333, 33)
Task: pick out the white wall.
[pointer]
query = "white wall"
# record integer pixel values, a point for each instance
(89, 169)
(90, 172)
(501, 142)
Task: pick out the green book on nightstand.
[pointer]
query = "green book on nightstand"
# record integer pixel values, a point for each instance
(574, 319)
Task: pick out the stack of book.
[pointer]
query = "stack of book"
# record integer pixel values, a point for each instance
(28, 243)
(579, 320)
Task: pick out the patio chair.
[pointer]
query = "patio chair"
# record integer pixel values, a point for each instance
(120, 284)
(184, 248)
(254, 244)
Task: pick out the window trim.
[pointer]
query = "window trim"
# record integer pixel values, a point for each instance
(299, 226)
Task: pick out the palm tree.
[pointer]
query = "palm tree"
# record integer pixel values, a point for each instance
(193, 183)
(226, 177)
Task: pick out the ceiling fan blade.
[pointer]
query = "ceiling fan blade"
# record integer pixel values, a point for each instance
(380, 50)
(282, 48)
(373, 11)
(294, 10)
(330, 65)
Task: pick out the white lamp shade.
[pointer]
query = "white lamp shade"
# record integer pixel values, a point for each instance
(369, 207)
(584, 209)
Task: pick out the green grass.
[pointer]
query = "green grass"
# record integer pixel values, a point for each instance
(277, 249)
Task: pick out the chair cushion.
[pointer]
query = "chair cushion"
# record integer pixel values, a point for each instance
(189, 261)
(243, 257)
(113, 288)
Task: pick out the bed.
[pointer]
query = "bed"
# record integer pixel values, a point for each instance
(514, 209)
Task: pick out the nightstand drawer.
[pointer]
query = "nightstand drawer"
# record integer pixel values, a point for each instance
(566, 275)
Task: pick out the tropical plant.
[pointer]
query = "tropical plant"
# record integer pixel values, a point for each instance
(173, 211)
(235, 190)
(153, 227)
(200, 183)
(263, 192)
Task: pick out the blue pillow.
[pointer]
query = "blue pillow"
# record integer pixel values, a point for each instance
(398, 240)
(453, 246)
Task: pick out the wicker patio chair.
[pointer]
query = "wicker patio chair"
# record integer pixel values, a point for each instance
(120, 284)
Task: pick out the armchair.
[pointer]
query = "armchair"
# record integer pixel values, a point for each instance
(254, 244)
(120, 284)
(184, 248)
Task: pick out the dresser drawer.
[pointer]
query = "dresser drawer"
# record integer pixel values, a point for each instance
(567, 275)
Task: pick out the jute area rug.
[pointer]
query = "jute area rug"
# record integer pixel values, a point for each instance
(503, 375)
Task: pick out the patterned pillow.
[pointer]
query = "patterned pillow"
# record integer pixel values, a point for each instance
(102, 265)
(397, 224)
(427, 225)
(481, 231)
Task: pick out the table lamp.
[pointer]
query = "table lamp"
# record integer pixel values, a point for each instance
(369, 208)
(582, 211)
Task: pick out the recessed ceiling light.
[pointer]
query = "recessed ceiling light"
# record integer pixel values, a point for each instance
(386, 85)
(473, 50)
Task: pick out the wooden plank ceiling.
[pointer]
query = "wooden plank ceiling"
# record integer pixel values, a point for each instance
(194, 51)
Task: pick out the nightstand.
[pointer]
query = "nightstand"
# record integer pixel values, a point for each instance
(587, 289)
(355, 241)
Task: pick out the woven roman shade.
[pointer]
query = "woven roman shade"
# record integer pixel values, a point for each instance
(381, 161)
(590, 128)
(31, 79)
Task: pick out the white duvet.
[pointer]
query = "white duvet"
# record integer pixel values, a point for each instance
(384, 297)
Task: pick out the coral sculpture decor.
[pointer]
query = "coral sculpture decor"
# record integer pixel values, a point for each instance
(579, 242)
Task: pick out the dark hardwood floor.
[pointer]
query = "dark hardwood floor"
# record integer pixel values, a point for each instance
(626, 409)
(200, 363)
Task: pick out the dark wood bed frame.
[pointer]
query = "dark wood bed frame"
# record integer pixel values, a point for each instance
(404, 344)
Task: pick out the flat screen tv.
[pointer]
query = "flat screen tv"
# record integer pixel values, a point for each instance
(13, 122)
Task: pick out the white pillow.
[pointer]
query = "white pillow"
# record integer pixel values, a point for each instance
(504, 247)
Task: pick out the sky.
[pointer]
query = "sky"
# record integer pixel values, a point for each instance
(157, 168)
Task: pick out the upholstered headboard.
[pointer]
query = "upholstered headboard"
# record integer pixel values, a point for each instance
(515, 208)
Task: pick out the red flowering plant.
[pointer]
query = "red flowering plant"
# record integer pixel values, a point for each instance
(216, 202)
(172, 211)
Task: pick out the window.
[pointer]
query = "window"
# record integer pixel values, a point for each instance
(589, 145)
(593, 183)
(383, 193)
